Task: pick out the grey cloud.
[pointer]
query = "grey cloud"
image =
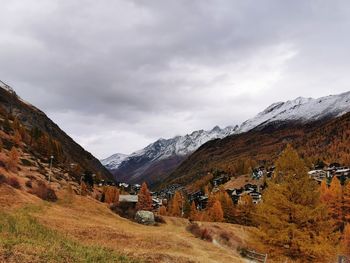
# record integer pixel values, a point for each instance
(139, 70)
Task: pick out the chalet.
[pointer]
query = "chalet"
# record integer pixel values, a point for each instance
(220, 180)
(128, 200)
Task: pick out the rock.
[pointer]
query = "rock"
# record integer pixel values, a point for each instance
(145, 218)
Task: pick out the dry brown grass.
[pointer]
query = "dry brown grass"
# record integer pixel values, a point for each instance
(92, 223)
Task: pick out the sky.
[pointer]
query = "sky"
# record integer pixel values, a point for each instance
(117, 75)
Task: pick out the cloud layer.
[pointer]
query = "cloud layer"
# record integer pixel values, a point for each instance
(118, 74)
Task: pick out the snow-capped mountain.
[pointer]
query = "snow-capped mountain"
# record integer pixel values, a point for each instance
(300, 109)
(165, 148)
(182, 145)
(114, 161)
(162, 156)
(165, 154)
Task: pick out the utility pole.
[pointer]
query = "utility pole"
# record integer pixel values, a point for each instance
(51, 160)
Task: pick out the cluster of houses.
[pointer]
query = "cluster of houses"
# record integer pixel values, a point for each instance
(333, 170)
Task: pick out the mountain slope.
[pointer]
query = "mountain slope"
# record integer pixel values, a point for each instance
(325, 139)
(35, 120)
(163, 156)
(114, 161)
(301, 109)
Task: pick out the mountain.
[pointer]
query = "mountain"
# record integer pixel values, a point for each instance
(39, 129)
(318, 128)
(301, 109)
(114, 161)
(161, 157)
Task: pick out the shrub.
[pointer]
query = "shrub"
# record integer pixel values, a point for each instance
(159, 219)
(198, 232)
(44, 192)
(13, 181)
(29, 184)
(2, 179)
(225, 236)
(124, 209)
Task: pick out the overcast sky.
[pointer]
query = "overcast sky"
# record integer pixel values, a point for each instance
(117, 75)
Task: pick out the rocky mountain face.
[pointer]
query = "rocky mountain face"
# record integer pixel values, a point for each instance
(34, 119)
(160, 158)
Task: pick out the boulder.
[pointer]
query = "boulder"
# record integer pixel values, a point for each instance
(145, 218)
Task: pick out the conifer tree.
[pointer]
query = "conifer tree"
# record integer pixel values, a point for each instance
(194, 213)
(345, 244)
(246, 210)
(292, 221)
(13, 160)
(324, 192)
(215, 213)
(176, 205)
(227, 206)
(162, 211)
(144, 199)
(346, 203)
(334, 203)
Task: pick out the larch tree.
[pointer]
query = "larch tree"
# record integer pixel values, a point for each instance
(176, 205)
(345, 244)
(227, 206)
(194, 213)
(13, 160)
(334, 203)
(144, 199)
(162, 211)
(346, 203)
(215, 213)
(292, 220)
(246, 210)
(324, 192)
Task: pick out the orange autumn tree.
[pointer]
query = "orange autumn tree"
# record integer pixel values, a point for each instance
(346, 203)
(194, 213)
(13, 160)
(292, 221)
(111, 195)
(334, 203)
(215, 213)
(227, 206)
(162, 211)
(144, 199)
(324, 192)
(176, 203)
(345, 245)
(245, 210)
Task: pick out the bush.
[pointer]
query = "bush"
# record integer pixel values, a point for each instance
(198, 232)
(44, 192)
(29, 184)
(159, 219)
(13, 181)
(124, 209)
(2, 179)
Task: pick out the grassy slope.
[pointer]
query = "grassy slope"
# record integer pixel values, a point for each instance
(24, 239)
(80, 229)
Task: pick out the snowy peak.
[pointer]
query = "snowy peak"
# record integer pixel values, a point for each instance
(114, 161)
(182, 145)
(300, 109)
(165, 148)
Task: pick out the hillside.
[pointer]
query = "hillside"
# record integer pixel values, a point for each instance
(38, 127)
(327, 140)
(81, 229)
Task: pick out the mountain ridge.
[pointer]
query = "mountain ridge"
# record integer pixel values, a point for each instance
(300, 110)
